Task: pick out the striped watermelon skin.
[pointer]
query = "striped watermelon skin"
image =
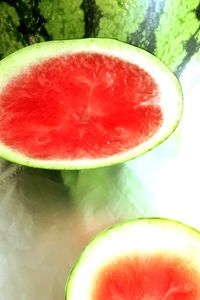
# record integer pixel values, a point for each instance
(169, 29)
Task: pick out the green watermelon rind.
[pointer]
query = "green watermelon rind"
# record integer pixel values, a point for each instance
(17, 62)
(184, 242)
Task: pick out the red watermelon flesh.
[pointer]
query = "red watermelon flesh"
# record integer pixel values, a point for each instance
(153, 278)
(85, 105)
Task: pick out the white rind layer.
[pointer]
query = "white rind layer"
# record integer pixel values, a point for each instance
(140, 237)
(171, 99)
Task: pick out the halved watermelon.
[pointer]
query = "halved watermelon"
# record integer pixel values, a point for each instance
(84, 103)
(144, 259)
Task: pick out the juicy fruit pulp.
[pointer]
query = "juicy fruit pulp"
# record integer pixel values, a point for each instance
(150, 278)
(79, 106)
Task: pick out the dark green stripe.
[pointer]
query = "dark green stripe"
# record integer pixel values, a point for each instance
(32, 24)
(92, 15)
(197, 12)
(191, 46)
(145, 36)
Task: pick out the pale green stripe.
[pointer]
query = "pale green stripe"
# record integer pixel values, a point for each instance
(120, 18)
(65, 19)
(178, 22)
(9, 21)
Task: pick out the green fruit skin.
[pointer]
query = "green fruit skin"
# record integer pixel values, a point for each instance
(169, 29)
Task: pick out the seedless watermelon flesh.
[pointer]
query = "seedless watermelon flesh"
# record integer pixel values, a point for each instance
(145, 259)
(84, 103)
(80, 106)
(153, 278)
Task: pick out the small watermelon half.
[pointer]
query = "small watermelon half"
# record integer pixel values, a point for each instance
(144, 259)
(84, 103)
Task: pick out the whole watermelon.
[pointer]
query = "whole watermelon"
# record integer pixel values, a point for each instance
(167, 28)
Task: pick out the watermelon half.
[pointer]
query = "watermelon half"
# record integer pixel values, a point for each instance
(84, 103)
(144, 259)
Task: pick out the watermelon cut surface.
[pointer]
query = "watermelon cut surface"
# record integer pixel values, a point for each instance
(110, 104)
(156, 277)
(144, 259)
(84, 103)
